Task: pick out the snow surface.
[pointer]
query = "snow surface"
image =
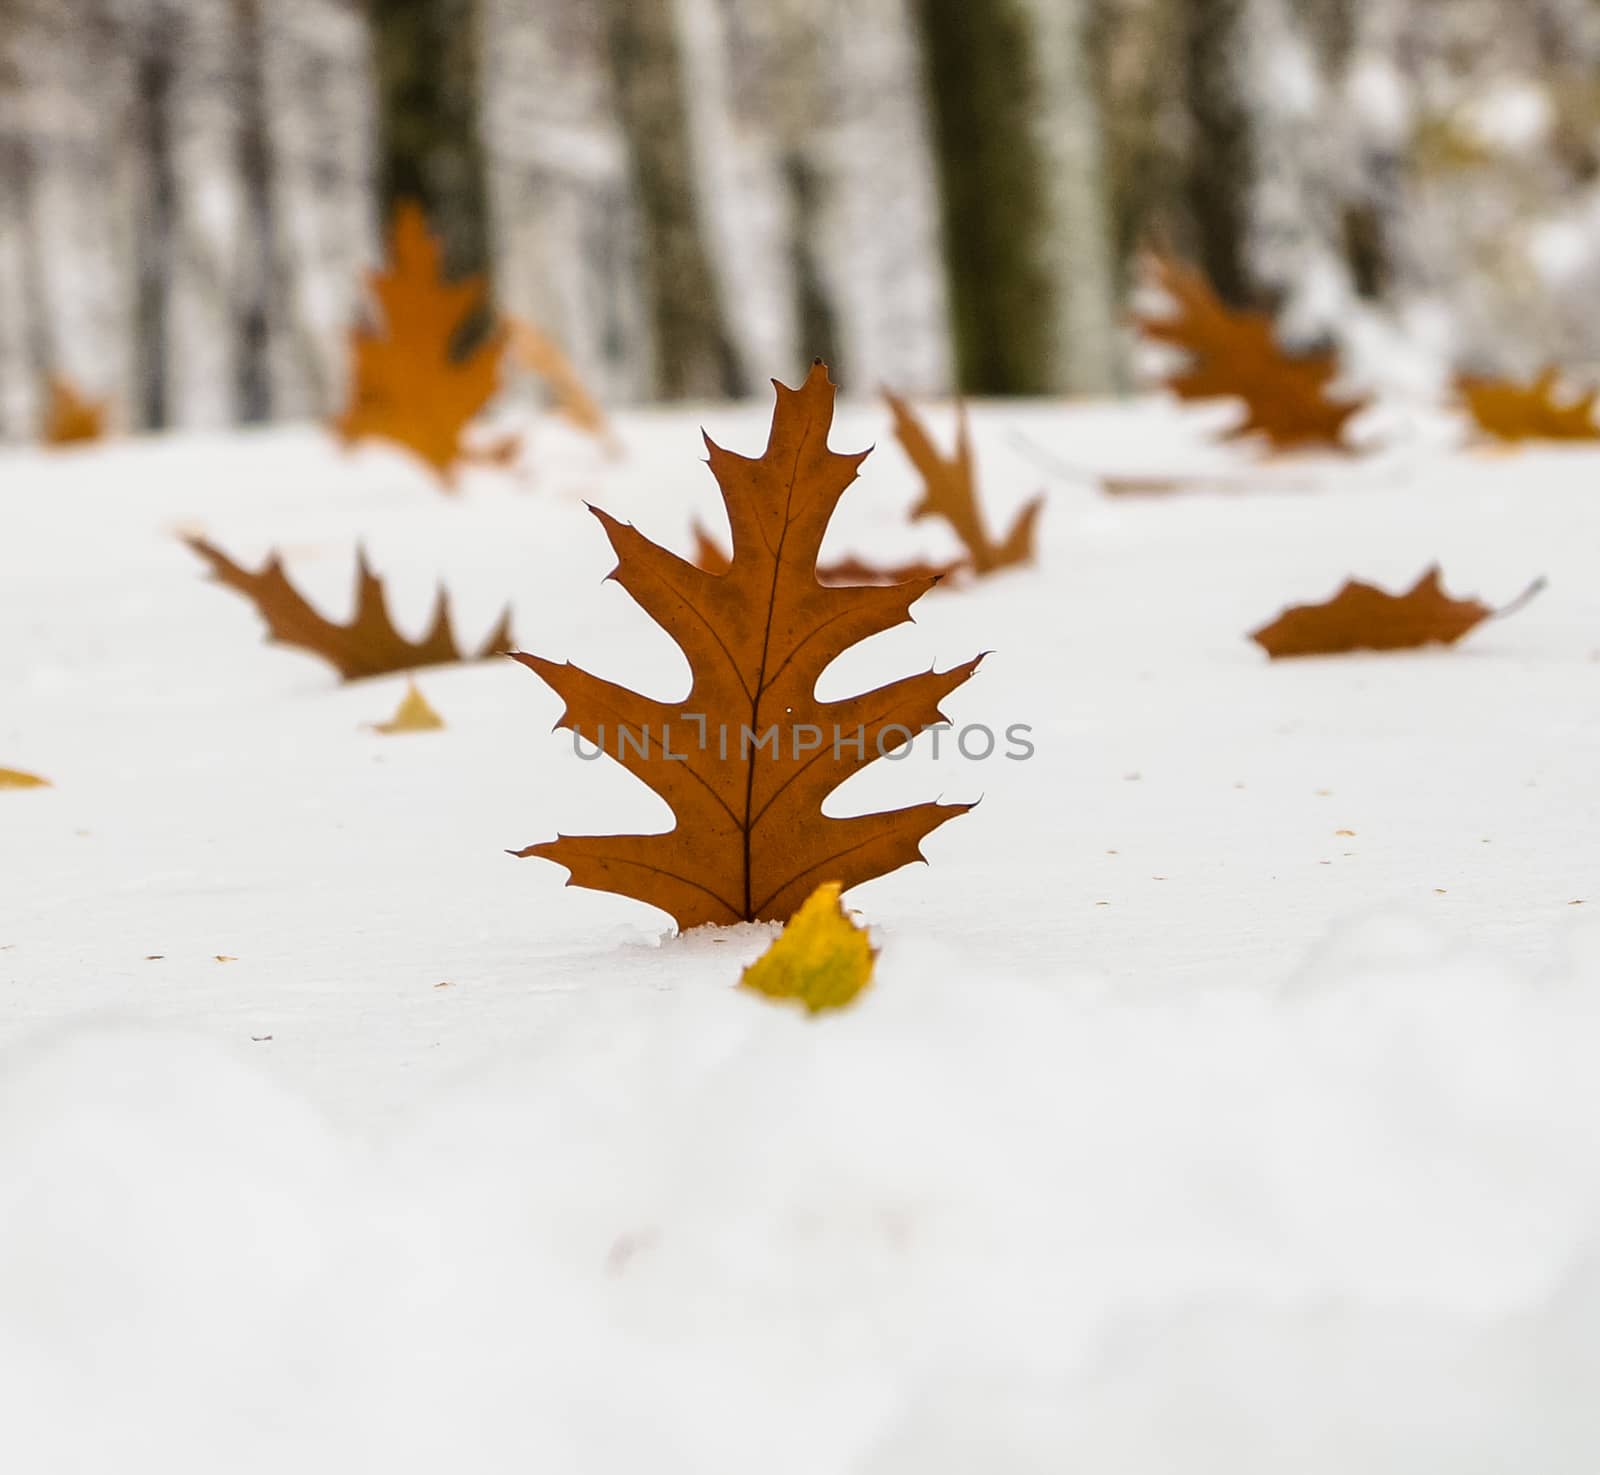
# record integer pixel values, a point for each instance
(1225, 1101)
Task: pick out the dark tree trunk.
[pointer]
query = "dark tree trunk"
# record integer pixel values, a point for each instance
(259, 294)
(429, 146)
(981, 92)
(694, 355)
(1221, 165)
(819, 331)
(154, 226)
(18, 164)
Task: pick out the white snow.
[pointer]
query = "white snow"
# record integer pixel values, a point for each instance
(1225, 1101)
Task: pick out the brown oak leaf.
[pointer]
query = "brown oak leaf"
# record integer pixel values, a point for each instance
(406, 383)
(950, 491)
(747, 756)
(1236, 355)
(1521, 412)
(70, 418)
(1363, 617)
(369, 645)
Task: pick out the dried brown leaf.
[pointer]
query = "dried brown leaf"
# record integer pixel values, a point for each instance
(70, 418)
(1236, 355)
(407, 385)
(950, 491)
(369, 645)
(1515, 413)
(751, 841)
(1363, 617)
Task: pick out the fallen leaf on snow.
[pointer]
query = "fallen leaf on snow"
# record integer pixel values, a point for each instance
(751, 841)
(369, 645)
(70, 417)
(407, 385)
(950, 491)
(821, 959)
(1515, 413)
(1236, 355)
(1364, 617)
(412, 715)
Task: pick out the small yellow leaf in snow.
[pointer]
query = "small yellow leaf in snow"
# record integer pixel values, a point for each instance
(14, 778)
(413, 715)
(821, 959)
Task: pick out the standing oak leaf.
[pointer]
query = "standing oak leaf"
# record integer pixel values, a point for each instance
(1236, 355)
(821, 960)
(1364, 617)
(1521, 412)
(407, 385)
(70, 418)
(369, 645)
(747, 757)
(950, 491)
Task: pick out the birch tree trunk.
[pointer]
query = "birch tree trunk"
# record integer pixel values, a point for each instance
(818, 186)
(695, 357)
(565, 227)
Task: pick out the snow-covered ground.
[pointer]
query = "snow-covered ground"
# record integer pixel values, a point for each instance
(1225, 1102)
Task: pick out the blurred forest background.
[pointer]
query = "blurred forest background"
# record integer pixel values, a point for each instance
(691, 196)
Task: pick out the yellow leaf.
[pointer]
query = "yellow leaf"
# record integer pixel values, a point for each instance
(822, 959)
(413, 714)
(14, 778)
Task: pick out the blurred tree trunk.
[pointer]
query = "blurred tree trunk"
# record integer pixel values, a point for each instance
(1143, 109)
(155, 222)
(694, 354)
(429, 146)
(1222, 155)
(566, 222)
(256, 306)
(1025, 222)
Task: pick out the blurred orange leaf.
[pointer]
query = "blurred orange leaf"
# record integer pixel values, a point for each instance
(407, 383)
(950, 491)
(369, 645)
(539, 354)
(1236, 355)
(1521, 412)
(1364, 617)
(15, 778)
(70, 418)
